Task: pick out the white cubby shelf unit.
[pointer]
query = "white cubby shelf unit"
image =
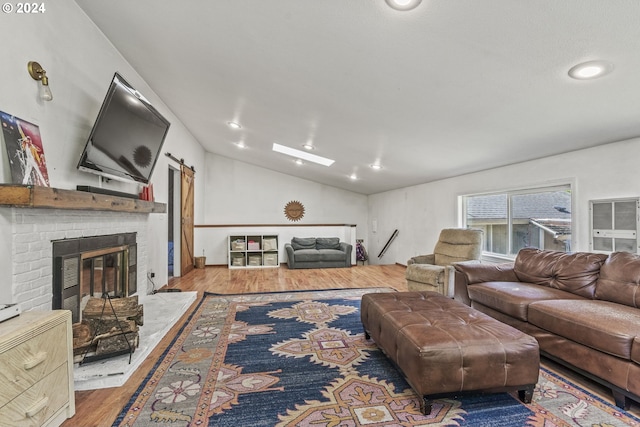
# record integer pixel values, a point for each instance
(253, 251)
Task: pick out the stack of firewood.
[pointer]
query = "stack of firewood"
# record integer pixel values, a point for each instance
(108, 327)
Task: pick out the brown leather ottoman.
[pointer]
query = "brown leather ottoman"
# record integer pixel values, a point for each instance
(447, 349)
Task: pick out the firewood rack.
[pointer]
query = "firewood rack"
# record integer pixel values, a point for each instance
(94, 358)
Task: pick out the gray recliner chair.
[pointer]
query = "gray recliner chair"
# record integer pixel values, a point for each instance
(434, 272)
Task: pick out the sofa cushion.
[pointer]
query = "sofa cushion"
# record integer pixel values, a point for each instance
(619, 279)
(332, 255)
(535, 266)
(605, 326)
(306, 255)
(327, 243)
(316, 255)
(303, 243)
(576, 272)
(513, 298)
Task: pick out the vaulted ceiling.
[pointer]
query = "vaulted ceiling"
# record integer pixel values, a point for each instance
(451, 87)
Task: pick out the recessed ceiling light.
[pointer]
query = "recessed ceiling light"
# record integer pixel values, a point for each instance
(302, 155)
(376, 166)
(403, 4)
(353, 177)
(240, 144)
(308, 146)
(234, 125)
(590, 70)
(299, 162)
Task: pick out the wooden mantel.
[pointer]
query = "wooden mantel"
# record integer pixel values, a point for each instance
(27, 196)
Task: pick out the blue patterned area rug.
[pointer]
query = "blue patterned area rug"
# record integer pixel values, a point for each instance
(301, 359)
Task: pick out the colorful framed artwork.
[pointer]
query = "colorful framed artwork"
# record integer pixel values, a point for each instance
(24, 150)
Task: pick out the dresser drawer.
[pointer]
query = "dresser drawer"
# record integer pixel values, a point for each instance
(38, 403)
(27, 363)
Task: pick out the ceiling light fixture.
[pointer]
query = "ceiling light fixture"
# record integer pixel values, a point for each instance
(353, 176)
(403, 4)
(38, 73)
(302, 155)
(590, 70)
(376, 166)
(299, 162)
(234, 125)
(240, 144)
(308, 146)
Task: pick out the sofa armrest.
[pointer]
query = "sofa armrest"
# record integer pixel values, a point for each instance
(460, 291)
(425, 273)
(470, 272)
(422, 259)
(291, 262)
(347, 248)
(477, 272)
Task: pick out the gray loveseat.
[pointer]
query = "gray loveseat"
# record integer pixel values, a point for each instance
(321, 252)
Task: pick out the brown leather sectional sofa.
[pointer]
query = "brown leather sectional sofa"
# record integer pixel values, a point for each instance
(581, 307)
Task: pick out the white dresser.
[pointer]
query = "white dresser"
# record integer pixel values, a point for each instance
(36, 369)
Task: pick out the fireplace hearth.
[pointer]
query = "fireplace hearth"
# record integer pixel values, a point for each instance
(93, 266)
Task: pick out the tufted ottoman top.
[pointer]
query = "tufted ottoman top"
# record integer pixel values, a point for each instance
(444, 346)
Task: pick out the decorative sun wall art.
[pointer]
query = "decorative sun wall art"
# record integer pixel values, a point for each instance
(294, 210)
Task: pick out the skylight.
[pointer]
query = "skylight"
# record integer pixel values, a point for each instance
(299, 154)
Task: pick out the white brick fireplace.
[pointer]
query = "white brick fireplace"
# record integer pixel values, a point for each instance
(26, 264)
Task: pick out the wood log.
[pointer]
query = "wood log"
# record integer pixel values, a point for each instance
(104, 347)
(111, 327)
(125, 308)
(140, 316)
(100, 333)
(83, 333)
(117, 343)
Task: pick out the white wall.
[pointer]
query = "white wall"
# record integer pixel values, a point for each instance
(240, 193)
(80, 63)
(420, 212)
(214, 241)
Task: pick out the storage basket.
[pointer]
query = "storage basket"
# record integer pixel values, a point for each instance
(270, 259)
(237, 245)
(270, 244)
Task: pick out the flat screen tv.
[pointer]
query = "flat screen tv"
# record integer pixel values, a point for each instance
(127, 136)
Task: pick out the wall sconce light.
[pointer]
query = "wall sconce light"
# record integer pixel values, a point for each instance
(38, 73)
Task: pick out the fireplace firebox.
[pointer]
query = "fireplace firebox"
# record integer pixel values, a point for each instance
(93, 266)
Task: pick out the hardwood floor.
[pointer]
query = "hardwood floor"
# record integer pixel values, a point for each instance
(99, 408)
